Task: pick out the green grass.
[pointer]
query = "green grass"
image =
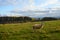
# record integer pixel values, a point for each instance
(24, 31)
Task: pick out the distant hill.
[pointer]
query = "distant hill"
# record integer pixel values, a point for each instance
(48, 18)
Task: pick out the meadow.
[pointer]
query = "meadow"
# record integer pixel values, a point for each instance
(24, 31)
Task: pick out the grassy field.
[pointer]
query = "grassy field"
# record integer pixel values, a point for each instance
(24, 31)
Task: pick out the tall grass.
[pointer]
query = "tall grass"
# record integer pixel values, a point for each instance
(24, 31)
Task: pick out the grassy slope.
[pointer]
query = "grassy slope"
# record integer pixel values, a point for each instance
(24, 31)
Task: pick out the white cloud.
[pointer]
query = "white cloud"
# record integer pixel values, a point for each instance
(29, 5)
(32, 6)
(12, 2)
(14, 14)
(49, 2)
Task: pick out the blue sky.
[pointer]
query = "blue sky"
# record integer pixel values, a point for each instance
(7, 6)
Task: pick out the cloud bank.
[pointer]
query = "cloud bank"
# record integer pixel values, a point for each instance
(31, 7)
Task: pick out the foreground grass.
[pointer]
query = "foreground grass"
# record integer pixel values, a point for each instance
(24, 31)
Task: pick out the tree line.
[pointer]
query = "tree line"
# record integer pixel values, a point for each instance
(22, 19)
(14, 19)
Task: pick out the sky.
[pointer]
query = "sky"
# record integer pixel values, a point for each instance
(30, 8)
